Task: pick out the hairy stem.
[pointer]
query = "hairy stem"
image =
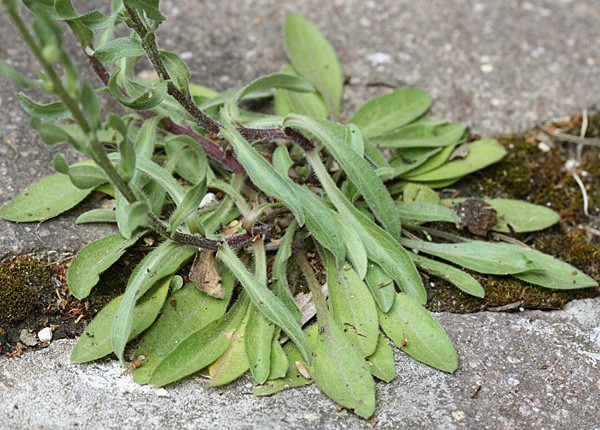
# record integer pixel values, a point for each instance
(98, 154)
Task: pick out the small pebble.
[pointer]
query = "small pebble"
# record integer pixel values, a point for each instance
(45, 334)
(161, 392)
(207, 200)
(27, 338)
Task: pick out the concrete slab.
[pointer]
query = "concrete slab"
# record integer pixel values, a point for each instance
(535, 370)
(501, 66)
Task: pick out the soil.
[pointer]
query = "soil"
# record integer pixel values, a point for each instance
(37, 286)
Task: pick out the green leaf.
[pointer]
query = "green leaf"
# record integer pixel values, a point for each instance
(381, 363)
(95, 342)
(516, 216)
(47, 112)
(381, 247)
(353, 307)
(262, 174)
(149, 7)
(45, 199)
(151, 97)
(314, 58)
(460, 279)
(177, 69)
(258, 337)
(282, 160)
(482, 257)
(163, 261)
(233, 363)
(419, 193)
(293, 376)
(285, 81)
(280, 284)
(269, 305)
(357, 169)
(340, 371)
(201, 348)
(189, 204)
(309, 104)
(83, 176)
(279, 359)
(122, 47)
(90, 103)
(93, 259)
(482, 153)
(432, 163)
(136, 216)
(17, 77)
(549, 272)
(357, 254)
(381, 285)
(354, 139)
(51, 134)
(423, 134)
(96, 215)
(388, 112)
(411, 158)
(189, 158)
(192, 310)
(415, 331)
(426, 212)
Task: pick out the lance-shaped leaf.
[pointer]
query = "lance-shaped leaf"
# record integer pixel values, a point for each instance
(234, 362)
(45, 199)
(515, 216)
(149, 7)
(381, 285)
(388, 112)
(426, 212)
(95, 342)
(201, 348)
(411, 158)
(415, 331)
(189, 204)
(17, 77)
(299, 372)
(321, 221)
(352, 306)
(381, 363)
(552, 273)
(357, 169)
(356, 252)
(419, 193)
(340, 371)
(482, 257)
(262, 174)
(314, 58)
(279, 360)
(192, 310)
(429, 133)
(432, 163)
(97, 215)
(122, 47)
(83, 175)
(93, 259)
(280, 285)
(381, 247)
(460, 279)
(265, 301)
(163, 261)
(177, 69)
(258, 337)
(310, 104)
(482, 153)
(48, 112)
(285, 81)
(282, 160)
(148, 99)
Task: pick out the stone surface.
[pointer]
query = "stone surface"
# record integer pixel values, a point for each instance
(500, 65)
(536, 370)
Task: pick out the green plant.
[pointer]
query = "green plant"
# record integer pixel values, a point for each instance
(293, 185)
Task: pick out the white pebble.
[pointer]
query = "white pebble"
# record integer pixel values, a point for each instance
(544, 147)
(207, 200)
(378, 58)
(161, 392)
(45, 334)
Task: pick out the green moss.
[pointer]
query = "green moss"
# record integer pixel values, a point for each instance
(21, 282)
(529, 174)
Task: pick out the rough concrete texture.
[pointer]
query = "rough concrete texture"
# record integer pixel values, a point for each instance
(501, 66)
(536, 370)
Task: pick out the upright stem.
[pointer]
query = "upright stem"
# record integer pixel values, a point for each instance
(98, 153)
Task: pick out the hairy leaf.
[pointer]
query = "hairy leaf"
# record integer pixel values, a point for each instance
(423, 134)
(415, 331)
(122, 47)
(95, 342)
(426, 212)
(45, 199)
(381, 285)
(48, 112)
(314, 58)
(388, 112)
(258, 337)
(97, 215)
(381, 363)
(93, 259)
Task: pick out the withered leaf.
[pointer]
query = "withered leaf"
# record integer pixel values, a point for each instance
(204, 272)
